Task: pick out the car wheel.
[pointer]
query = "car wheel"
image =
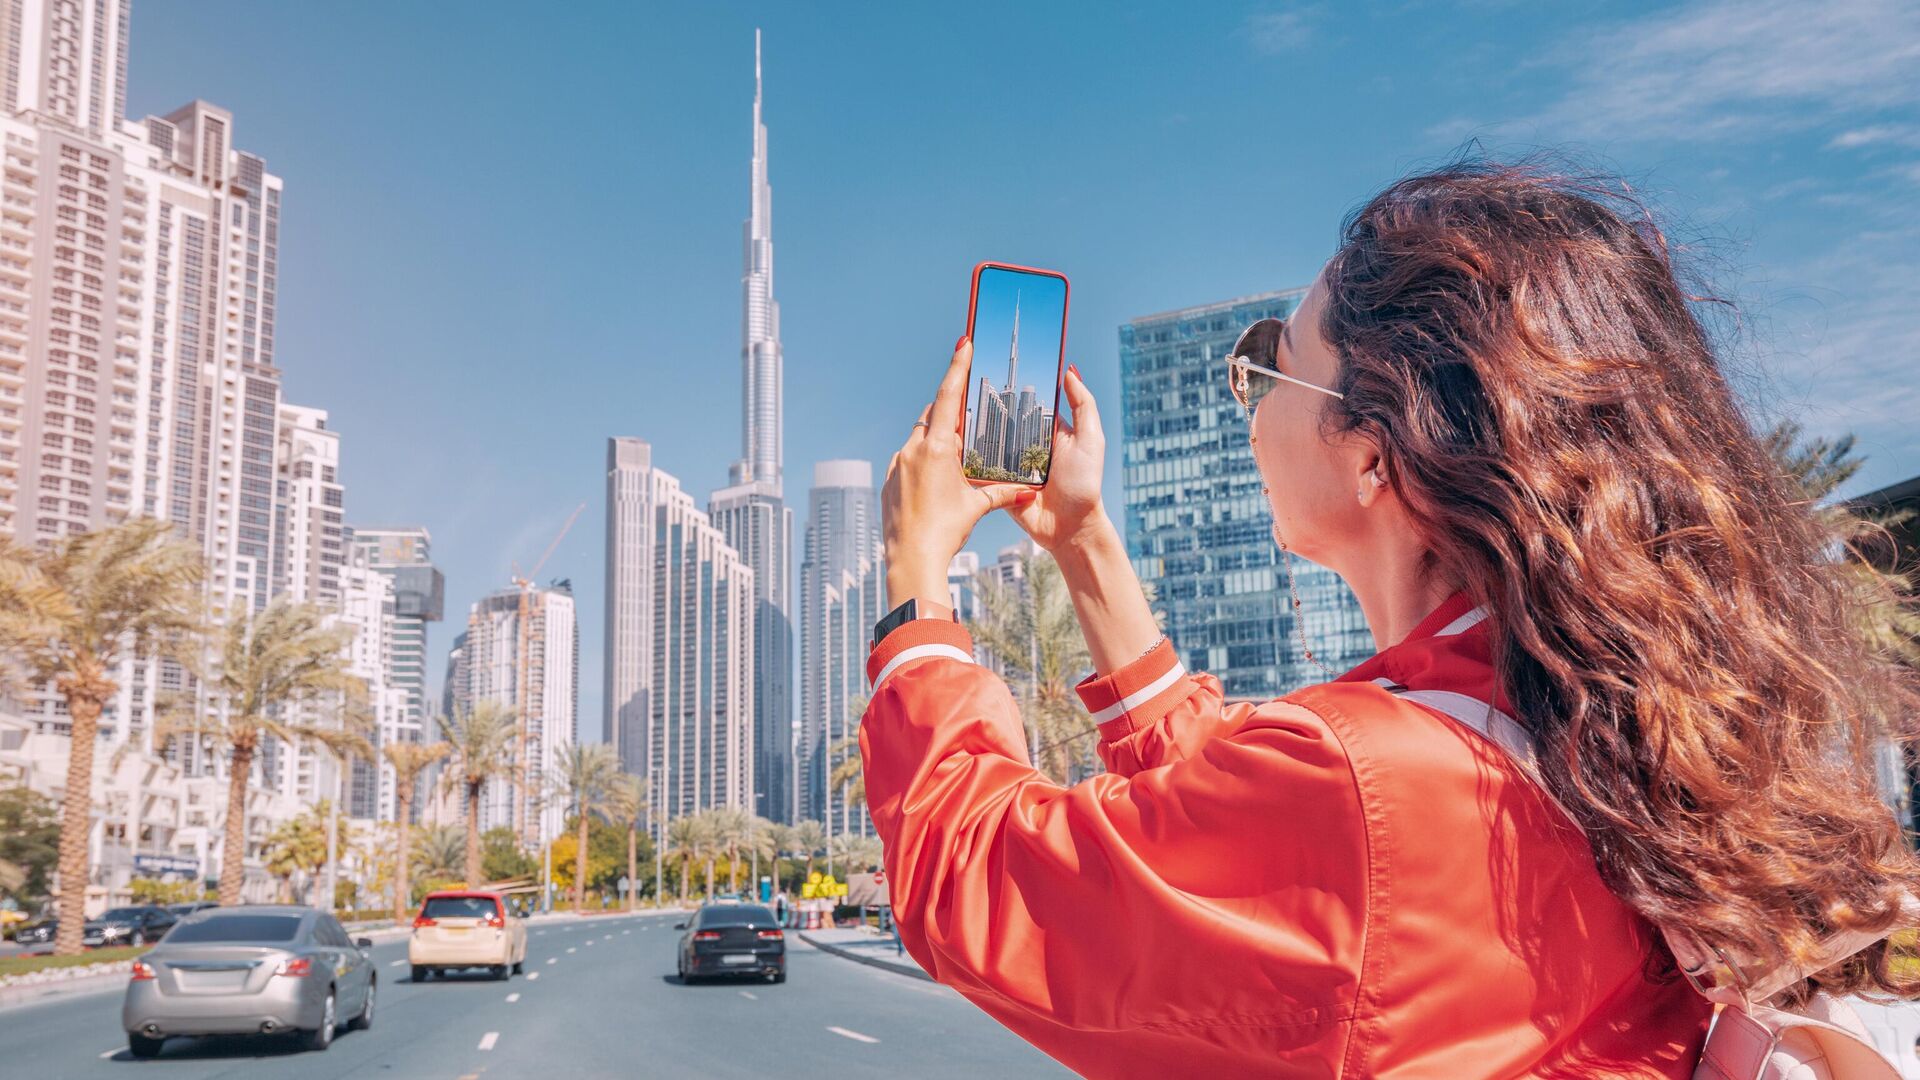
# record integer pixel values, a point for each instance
(780, 976)
(365, 1019)
(139, 938)
(499, 971)
(321, 1037)
(419, 973)
(519, 967)
(144, 1047)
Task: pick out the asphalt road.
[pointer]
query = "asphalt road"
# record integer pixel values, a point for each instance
(600, 999)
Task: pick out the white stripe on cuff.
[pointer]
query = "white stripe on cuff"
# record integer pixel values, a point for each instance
(1141, 696)
(921, 652)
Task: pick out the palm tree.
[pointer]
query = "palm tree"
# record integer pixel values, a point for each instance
(683, 843)
(345, 743)
(1818, 467)
(1030, 628)
(706, 837)
(286, 656)
(482, 741)
(441, 854)
(857, 853)
(409, 760)
(626, 805)
(732, 829)
(847, 782)
(765, 837)
(69, 614)
(807, 837)
(1033, 459)
(588, 775)
(298, 845)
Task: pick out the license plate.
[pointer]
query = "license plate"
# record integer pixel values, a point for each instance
(737, 958)
(455, 929)
(211, 981)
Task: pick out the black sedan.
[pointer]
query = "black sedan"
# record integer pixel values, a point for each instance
(128, 926)
(733, 940)
(37, 932)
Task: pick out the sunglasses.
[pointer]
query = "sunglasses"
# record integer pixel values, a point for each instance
(1253, 367)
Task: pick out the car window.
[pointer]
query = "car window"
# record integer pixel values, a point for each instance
(222, 928)
(741, 915)
(122, 914)
(332, 933)
(459, 907)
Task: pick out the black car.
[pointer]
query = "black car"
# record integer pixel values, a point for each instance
(182, 910)
(37, 932)
(733, 939)
(141, 925)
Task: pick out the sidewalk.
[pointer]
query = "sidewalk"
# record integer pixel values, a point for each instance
(865, 946)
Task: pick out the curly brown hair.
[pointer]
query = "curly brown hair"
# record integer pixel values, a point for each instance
(1670, 622)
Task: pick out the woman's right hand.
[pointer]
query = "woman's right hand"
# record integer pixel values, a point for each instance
(1069, 508)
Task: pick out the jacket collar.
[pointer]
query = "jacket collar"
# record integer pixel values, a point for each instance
(1450, 649)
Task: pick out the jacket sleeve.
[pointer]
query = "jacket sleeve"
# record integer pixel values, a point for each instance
(1215, 904)
(1152, 711)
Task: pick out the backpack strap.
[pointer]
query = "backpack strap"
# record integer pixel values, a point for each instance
(1715, 975)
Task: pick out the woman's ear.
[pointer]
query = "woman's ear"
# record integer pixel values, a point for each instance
(1371, 479)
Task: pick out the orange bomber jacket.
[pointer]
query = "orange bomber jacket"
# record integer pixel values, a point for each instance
(1338, 883)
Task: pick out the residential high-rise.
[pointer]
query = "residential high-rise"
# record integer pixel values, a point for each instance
(488, 669)
(1198, 529)
(1009, 420)
(841, 542)
(138, 273)
(751, 512)
(963, 586)
(849, 606)
(404, 555)
(367, 604)
(680, 642)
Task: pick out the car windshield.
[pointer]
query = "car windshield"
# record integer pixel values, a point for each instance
(743, 915)
(459, 907)
(236, 928)
(122, 914)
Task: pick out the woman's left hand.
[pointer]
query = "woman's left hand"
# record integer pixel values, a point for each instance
(928, 508)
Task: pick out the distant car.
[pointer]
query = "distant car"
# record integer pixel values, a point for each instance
(733, 940)
(137, 925)
(254, 969)
(462, 929)
(38, 932)
(188, 908)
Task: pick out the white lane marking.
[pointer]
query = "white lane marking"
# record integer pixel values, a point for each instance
(854, 1035)
(487, 1040)
(112, 1052)
(396, 963)
(626, 931)
(511, 998)
(606, 937)
(555, 959)
(749, 995)
(537, 933)
(571, 949)
(532, 975)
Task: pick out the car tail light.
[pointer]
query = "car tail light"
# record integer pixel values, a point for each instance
(424, 920)
(142, 971)
(706, 935)
(497, 920)
(772, 935)
(295, 966)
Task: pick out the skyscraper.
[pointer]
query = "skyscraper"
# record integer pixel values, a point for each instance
(841, 545)
(751, 511)
(1011, 419)
(680, 642)
(414, 595)
(1198, 528)
(488, 668)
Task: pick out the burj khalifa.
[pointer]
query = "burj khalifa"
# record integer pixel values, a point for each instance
(751, 511)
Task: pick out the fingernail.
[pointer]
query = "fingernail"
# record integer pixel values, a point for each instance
(961, 344)
(1025, 497)
(1075, 369)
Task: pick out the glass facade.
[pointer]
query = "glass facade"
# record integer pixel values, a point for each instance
(1197, 526)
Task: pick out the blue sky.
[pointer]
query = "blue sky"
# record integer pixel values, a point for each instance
(512, 231)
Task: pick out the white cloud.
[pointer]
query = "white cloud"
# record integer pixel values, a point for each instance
(1877, 135)
(1274, 32)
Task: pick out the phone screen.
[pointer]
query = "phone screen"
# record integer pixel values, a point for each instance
(1018, 323)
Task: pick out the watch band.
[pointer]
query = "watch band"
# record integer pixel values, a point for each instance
(909, 610)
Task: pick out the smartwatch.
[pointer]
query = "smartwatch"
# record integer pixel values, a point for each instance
(914, 608)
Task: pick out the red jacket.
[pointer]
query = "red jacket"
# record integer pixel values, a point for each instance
(1338, 883)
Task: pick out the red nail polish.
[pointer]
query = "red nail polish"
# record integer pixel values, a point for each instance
(1025, 497)
(1075, 369)
(960, 344)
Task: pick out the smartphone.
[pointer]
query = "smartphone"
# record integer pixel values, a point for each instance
(1017, 318)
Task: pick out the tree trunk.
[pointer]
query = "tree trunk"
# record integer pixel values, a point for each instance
(233, 862)
(86, 690)
(686, 871)
(580, 869)
(633, 864)
(333, 853)
(709, 877)
(403, 813)
(473, 835)
(733, 869)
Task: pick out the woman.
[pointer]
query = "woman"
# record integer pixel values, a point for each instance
(1496, 417)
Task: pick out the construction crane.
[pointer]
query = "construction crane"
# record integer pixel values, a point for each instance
(523, 767)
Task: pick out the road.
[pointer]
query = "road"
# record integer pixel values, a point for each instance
(600, 999)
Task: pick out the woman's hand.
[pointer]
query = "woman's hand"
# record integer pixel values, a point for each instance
(928, 509)
(1068, 510)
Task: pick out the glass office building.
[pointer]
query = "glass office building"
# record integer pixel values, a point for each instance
(1198, 528)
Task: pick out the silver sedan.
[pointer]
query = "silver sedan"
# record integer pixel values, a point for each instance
(259, 969)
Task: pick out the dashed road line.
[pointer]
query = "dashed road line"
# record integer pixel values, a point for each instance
(396, 963)
(487, 1040)
(532, 975)
(749, 995)
(511, 998)
(571, 949)
(112, 1053)
(854, 1035)
(555, 959)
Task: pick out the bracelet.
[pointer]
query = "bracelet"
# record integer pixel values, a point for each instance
(1150, 648)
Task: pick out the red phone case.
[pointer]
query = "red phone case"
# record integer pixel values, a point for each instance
(1060, 362)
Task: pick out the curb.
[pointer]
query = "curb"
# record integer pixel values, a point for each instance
(871, 961)
(29, 993)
